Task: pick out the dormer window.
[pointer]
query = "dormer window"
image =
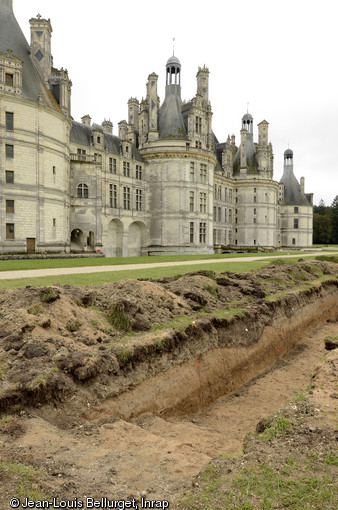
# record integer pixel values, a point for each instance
(99, 139)
(127, 148)
(10, 73)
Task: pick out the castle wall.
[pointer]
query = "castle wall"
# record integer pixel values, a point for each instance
(38, 164)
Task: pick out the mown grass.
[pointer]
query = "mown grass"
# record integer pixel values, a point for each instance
(18, 265)
(25, 480)
(82, 279)
(132, 274)
(265, 486)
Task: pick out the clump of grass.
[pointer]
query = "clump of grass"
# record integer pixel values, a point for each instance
(159, 344)
(73, 326)
(299, 396)
(118, 317)
(49, 296)
(278, 427)
(212, 289)
(35, 310)
(331, 458)
(123, 355)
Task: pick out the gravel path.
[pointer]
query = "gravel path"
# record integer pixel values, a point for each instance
(33, 273)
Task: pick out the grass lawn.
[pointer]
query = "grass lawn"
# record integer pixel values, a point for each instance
(17, 265)
(154, 272)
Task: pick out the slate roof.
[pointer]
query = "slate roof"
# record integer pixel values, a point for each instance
(293, 194)
(11, 37)
(170, 119)
(82, 135)
(251, 160)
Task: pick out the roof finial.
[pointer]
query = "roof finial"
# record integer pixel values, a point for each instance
(247, 107)
(173, 46)
(38, 16)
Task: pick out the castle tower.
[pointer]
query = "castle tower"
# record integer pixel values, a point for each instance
(41, 35)
(296, 211)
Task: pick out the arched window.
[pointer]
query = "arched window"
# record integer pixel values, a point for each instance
(82, 191)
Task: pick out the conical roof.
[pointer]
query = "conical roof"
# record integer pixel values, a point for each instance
(293, 194)
(12, 38)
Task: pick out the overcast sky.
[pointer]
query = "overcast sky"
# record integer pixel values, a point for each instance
(278, 56)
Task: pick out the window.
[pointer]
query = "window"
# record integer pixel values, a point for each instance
(82, 191)
(113, 195)
(295, 210)
(9, 151)
(9, 206)
(255, 220)
(198, 145)
(9, 230)
(192, 172)
(236, 200)
(215, 190)
(255, 190)
(255, 211)
(202, 232)
(255, 199)
(293, 240)
(215, 213)
(214, 236)
(230, 195)
(126, 169)
(99, 139)
(54, 170)
(127, 148)
(219, 214)
(219, 236)
(9, 176)
(54, 222)
(191, 232)
(191, 201)
(139, 172)
(9, 80)
(81, 154)
(219, 192)
(203, 202)
(295, 223)
(198, 125)
(9, 121)
(225, 194)
(126, 197)
(138, 200)
(203, 173)
(230, 215)
(110, 165)
(225, 215)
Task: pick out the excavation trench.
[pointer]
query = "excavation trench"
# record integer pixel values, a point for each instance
(216, 357)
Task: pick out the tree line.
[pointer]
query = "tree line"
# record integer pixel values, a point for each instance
(325, 223)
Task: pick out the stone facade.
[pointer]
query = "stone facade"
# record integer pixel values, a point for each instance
(164, 185)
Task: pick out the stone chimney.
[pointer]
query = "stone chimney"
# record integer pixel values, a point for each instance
(107, 127)
(86, 120)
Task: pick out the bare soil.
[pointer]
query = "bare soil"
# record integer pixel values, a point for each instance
(117, 391)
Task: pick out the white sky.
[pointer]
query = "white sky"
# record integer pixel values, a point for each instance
(280, 56)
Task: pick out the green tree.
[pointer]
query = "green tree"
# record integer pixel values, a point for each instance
(334, 220)
(322, 229)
